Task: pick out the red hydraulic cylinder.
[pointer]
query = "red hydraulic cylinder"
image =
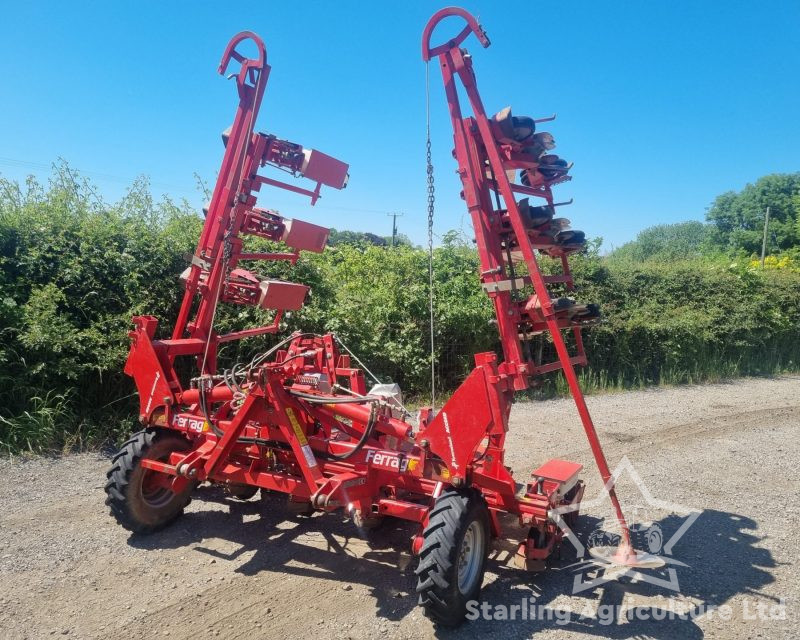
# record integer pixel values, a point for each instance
(216, 394)
(360, 413)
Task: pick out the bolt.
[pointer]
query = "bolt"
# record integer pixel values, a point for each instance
(457, 482)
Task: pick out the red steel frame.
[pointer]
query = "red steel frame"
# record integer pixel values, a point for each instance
(284, 431)
(475, 148)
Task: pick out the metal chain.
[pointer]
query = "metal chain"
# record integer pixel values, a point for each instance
(431, 201)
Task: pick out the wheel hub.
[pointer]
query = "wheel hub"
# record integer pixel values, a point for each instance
(469, 557)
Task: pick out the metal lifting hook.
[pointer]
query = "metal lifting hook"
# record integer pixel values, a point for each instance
(249, 67)
(471, 27)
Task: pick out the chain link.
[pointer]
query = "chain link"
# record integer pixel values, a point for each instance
(431, 203)
(431, 194)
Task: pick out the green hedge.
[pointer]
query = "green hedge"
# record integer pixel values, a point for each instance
(74, 270)
(690, 321)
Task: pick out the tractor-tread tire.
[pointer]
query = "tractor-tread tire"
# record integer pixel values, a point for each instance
(437, 572)
(123, 496)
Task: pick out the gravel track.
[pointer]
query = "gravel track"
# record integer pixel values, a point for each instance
(236, 570)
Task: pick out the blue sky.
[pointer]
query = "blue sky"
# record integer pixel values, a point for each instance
(661, 105)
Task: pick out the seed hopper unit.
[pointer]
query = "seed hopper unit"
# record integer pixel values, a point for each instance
(301, 420)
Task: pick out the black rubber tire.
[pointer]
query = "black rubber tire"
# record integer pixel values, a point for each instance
(133, 509)
(437, 572)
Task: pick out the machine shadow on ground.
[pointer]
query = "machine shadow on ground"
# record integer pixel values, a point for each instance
(719, 549)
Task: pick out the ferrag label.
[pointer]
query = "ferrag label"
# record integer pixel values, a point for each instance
(391, 460)
(190, 423)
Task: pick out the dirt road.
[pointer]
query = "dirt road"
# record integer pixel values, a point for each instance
(248, 570)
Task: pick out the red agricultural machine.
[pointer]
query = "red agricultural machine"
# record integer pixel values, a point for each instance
(299, 418)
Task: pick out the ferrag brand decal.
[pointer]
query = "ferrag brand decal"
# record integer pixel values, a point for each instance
(152, 392)
(390, 460)
(190, 423)
(453, 462)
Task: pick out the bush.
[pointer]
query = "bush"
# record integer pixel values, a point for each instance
(691, 321)
(667, 242)
(73, 271)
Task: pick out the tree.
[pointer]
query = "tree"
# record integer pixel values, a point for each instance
(355, 238)
(667, 242)
(738, 218)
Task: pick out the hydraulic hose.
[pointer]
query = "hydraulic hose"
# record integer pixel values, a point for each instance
(202, 400)
(317, 399)
(368, 429)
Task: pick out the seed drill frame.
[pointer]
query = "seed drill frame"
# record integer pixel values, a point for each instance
(300, 419)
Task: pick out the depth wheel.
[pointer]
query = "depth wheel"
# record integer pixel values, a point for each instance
(140, 499)
(452, 560)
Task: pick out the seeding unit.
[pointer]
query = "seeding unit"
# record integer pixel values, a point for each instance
(299, 418)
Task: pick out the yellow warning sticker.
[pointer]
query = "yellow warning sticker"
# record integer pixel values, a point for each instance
(298, 432)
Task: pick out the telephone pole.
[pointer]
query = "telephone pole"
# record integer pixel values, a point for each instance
(395, 216)
(764, 241)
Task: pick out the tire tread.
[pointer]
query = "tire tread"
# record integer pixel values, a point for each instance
(436, 571)
(124, 462)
